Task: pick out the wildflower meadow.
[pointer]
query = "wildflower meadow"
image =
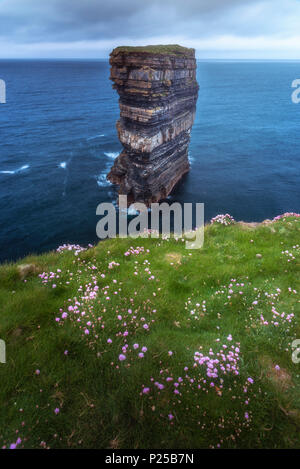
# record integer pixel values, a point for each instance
(145, 344)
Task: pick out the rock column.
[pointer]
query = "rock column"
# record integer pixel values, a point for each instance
(158, 94)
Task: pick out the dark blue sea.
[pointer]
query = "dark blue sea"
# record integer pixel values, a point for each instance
(58, 141)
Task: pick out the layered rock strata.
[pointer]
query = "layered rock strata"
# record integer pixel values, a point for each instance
(158, 94)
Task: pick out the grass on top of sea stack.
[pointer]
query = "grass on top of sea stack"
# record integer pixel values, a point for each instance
(164, 49)
(143, 344)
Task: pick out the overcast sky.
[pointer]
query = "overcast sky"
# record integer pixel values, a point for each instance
(92, 28)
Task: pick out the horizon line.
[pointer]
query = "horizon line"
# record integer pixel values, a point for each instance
(197, 58)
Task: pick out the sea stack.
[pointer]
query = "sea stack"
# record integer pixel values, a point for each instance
(158, 94)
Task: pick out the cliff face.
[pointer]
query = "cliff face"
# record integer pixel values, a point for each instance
(158, 94)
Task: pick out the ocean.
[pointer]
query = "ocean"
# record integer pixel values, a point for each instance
(58, 141)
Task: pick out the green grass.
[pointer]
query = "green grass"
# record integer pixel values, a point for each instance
(168, 49)
(193, 304)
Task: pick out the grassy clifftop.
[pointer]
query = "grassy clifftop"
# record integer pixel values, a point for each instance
(143, 344)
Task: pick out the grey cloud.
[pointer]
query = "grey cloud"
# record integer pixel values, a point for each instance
(75, 20)
(92, 27)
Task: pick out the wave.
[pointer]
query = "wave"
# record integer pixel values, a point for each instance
(26, 166)
(102, 181)
(94, 137)
(112, 154)
(131, 211)
(191, 158)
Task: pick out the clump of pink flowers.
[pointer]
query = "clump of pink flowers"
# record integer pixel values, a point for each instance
(135, 251)
(285, 215)
(17, 443)
(211, 374)
(278, 319)
(223, 219)
(291, 255)
(71, 247)
(222, 363)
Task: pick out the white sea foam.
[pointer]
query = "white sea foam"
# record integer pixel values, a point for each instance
(95, 136)
(131, 211)
(112, 154)
(26, 166)
(102, 181)
(191, 158)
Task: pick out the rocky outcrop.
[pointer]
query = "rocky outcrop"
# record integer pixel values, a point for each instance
(158, 94)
